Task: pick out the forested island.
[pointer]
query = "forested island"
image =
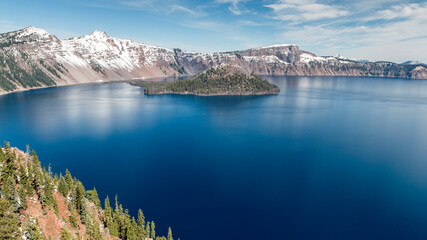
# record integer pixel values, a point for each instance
(225, 80)
(37, 204)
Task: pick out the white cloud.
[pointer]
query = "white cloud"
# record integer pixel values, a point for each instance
(178, 8)
(400, 35)
(413, 10)
(234, 8)
(305, 10)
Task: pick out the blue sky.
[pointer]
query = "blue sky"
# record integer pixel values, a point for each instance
(364, 29)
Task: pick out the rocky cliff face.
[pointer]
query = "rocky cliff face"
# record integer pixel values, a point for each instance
(32, 57)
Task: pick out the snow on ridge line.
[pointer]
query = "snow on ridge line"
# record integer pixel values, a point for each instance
(102, 36)
(276, 46)
(33, 29)
(306, 58)
(100, 49)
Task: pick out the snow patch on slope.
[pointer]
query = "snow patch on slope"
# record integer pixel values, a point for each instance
(306, 58)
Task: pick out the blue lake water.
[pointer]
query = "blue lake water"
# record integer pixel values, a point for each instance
(327, 158)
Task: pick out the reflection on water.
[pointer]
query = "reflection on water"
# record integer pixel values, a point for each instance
(327, 158)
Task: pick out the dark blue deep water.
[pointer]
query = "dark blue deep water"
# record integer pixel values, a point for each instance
(328, 158)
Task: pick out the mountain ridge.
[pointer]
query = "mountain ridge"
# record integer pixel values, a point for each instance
(33, 53)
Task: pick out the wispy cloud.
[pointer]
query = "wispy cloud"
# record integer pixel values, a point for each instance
(235, 7)
(179, 8)
(397, 33)
(374, 29)
(413, 10)
(305, 10)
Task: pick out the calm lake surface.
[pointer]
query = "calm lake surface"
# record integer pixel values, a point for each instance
(328, 158)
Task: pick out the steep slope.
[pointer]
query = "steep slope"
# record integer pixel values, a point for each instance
(36, 205)
(32, 57)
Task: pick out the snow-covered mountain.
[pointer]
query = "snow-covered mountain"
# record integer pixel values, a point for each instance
(32, 57)
(413, 63)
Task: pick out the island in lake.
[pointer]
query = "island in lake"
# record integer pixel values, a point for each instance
(224, 80)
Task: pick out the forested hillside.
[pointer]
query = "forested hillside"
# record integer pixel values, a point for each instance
(225, 80)
(24, 74)
(37, 204)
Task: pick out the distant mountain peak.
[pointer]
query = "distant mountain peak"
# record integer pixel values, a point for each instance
(413, 63)
(27, 35)
(33, 30)
(100, 35)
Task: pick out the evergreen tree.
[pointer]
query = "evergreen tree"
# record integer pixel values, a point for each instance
(55, 207)
(108, 218)
(32, 231)
(69, 179)
(2, 160)
(141, 225)
(127, 226)
(9, 192)
(63, 187)
(118, 219)
(80, 202)
(170, 234)
(23, 178)
(9, 163)
(38, 179)
(73, 196)
(83, 212)
(114, 228)
(22, 197)
(73, 220)
(65, 235)
(30, 183)
(93, 230)
(48, 188)
(1, 154)
(56, 178)
(93, 197)
(153, 230)
(108, 211)
(9, 221)
(133, 230)
(148, 230)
